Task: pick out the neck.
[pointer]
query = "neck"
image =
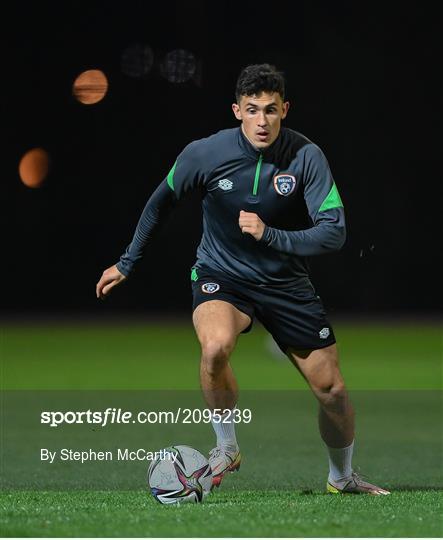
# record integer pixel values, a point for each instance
(252, 144)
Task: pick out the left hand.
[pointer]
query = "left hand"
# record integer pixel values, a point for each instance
(251, 224)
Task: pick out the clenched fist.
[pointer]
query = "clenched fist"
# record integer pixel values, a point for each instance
(110, 278)
(251, 224)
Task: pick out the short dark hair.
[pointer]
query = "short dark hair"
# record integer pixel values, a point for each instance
(258, 78)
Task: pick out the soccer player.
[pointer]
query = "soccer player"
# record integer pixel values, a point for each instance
(269, 201)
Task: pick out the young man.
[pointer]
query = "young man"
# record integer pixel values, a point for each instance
(269, 201)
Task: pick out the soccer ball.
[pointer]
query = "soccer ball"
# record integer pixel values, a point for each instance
(180, 475)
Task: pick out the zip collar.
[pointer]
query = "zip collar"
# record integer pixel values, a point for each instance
(253, 152)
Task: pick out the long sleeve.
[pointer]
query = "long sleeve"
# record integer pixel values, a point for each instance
(326, 212)
(185, 175)
(157, 208)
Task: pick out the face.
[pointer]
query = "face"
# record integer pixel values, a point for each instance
(261, 117)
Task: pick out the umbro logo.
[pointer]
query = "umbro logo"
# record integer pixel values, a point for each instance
(225, 184)
(324, 333)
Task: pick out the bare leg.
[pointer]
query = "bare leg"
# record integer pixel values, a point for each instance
(218, 324)
(336, 416)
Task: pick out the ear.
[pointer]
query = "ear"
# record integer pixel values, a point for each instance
(237, 112)
(285, 109)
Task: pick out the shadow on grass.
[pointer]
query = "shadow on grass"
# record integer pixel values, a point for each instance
(414, 488)
(391, 487)
(233, 497)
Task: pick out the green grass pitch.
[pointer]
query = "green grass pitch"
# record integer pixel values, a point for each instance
(392, 370)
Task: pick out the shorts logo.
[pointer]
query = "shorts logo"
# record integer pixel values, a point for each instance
(324, 333)
(225, 184)
(284, 184)
(210, 288)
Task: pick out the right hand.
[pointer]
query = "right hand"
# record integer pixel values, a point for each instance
(110, 278)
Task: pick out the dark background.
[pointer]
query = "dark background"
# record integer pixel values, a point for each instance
(363, 82)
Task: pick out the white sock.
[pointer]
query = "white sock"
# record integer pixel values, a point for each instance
(340, 463)
(225, 430)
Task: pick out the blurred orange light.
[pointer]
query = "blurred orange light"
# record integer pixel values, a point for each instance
(34, 167)
(90, 86)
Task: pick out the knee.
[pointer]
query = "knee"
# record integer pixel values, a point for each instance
(215, 355)
(333, 396)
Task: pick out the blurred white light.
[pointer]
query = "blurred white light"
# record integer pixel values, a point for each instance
(179, 66)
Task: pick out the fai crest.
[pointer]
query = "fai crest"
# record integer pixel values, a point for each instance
(210, 288)
(284, 184)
